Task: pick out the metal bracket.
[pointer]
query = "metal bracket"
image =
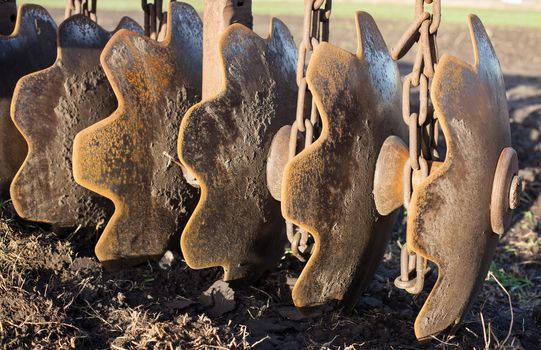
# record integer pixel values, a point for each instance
(224, 142)
(122, 157)
(327, 188)
(31, 47)
(49, 108)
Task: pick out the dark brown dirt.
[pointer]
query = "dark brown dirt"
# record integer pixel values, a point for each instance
(55, 294)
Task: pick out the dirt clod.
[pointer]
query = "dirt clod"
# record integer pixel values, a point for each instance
(219, 298)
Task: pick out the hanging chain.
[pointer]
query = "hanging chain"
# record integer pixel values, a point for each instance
(315, 30)
(76, 7)
(423, 124)
(155, 19)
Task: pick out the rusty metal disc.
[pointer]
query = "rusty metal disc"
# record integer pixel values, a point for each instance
(224, 141)
(449, 217)
(327, 188)
(129, 156)
(49, 108)
(31, 47)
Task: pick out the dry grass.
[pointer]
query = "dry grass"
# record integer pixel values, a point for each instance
(44, 304)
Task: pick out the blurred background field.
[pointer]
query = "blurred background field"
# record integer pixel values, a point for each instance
(525, 13)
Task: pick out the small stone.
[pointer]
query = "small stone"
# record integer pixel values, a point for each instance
(167, 260)
(219, 298)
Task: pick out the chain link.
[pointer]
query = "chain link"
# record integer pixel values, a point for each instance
(317, 14)
(83, 7)
(423, 124)
(155, 19)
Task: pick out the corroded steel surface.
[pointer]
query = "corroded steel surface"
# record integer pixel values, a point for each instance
(224, 142)
(471, 106)
(31, 47)
(127, 156)
(49, 108)
(388, 178)
(8, 16)
(217, 16)
(358, 97)
(277, 160)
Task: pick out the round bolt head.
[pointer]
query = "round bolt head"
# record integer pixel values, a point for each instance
(515, 192)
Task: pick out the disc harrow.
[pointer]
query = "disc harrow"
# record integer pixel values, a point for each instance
(29, 48)
(49, 108)
(127, 157)
(323, 139)
(476, 130)
(358, 99)
(224, 142)
(479, 170)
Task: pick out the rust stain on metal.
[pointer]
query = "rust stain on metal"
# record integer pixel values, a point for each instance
(49, 108)
(358, 97)
(217, 16)
(224, 141)
(122, 157)
(30, 47)
(471, 106)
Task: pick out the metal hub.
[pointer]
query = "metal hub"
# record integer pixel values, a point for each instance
(506, 190)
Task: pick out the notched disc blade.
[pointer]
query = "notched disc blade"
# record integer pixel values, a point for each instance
(128, 157)
(471, 106)
(31, 47)
(224, 141)
(49, 108)
(327, 188)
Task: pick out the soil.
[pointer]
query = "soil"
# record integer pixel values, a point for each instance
(55, 294)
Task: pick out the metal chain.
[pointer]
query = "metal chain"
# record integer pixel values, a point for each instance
(76, 7)
(315, 30)
(155, 19)
(423, 124)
